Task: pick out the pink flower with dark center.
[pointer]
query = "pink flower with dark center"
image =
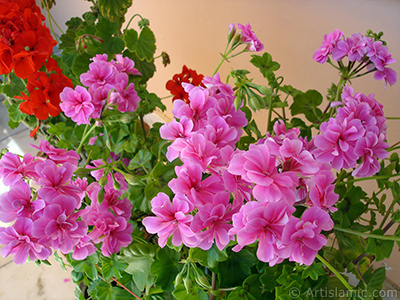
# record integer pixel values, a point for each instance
(19, 241)
(212, 222)
(77, 104)
(171, 219)
(264, 222)
(59, 156)
(250, 37)
(16, 203)
(12, 169)
(304, 236)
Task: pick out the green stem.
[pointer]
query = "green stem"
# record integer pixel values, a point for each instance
(370, 235)
(130, 20)
(85, 137)
(334, 271)
(392, 118)
(389, 211)
(368, 178)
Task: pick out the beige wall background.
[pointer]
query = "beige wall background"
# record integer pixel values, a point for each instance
(193, 32)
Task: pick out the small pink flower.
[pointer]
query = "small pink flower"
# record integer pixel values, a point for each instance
(171, 219)
(59, 156)
(330, 40)
(100, 73)
(125, 65)
(77, 104)
(12, 169)
(250, 38)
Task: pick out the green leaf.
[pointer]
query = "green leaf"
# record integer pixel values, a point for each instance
(130, 37)
(112, 266)
(114, 9)
(81, 64)
(15, 114)
(104, 291)
(375, 279)
(194, 293)
(113, 45)
(139, 258)
(87, 266)
(236, 268)
(211, 257)
(313, 271)
(265, 64)
(166, 267)
(307, 103)
(146, 44)
(106, 28)
(147, 69)
(380, 248)
(14, 87)
(141, 159)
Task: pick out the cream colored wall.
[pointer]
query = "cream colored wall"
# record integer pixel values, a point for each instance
(193, 32)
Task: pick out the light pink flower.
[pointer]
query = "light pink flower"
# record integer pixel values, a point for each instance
(125, 65)
(19, 241)
(264, 222)
(77, 104)
(125, 95)
(304, 236)
(83, 248)
(171, 219)
(100, 73)
(174, 129)
(322, 192)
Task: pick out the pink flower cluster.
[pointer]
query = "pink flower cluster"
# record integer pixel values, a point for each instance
(224, 194)
(46, 216)
(108, 85)
(356, 137)
(361, 49)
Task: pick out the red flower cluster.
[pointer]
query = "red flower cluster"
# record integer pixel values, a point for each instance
(25, 46)
(44, 90)
(175, 84)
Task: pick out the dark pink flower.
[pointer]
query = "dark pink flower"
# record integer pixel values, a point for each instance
(100, 73)
(19, 241)
(83, 248)
(322, 192)
(125, 65)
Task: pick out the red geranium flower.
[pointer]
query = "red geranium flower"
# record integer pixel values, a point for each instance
(188, 76)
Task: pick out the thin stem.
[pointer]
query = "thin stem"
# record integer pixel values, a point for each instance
(334, 271)
(388, 212)
(392, 118)
(130, 20)
(125, 288)
(213, 285)
(370, 235)
(367, 178)
(85, 137)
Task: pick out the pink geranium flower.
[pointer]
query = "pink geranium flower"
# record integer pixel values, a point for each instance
(264, 222)
(250, 37)
(330, 40)
(304, 236)
(16, 203)
(59, 156)
(125, 95)
(59, 224)
(12, 169)
(77, 104)
(212, 222)
(19, 241)
(171, 219)
(100, 73)
(125, 65)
